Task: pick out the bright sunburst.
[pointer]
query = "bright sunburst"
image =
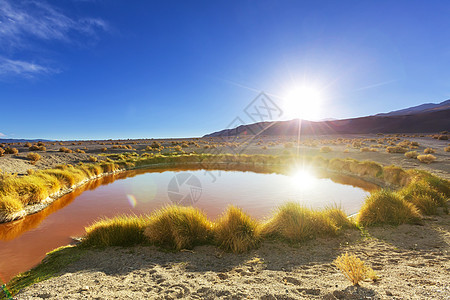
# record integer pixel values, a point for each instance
(303, 102)
(303, 179)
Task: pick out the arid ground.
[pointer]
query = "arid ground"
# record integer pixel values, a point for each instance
(412, 261)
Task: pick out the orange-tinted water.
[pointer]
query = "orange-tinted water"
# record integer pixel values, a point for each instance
(25, 242)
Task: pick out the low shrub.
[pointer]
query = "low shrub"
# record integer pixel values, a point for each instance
(10, 150)
(387, 207)
(2, 151)
(92, 158)
(426, 158)
(429, 151)
(237, 232)
(446, 149)
(326, 149)
(396, 149)
(395, 175)
(411, 154)
(34, 157)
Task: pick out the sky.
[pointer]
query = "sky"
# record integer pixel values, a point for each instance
(101, 69)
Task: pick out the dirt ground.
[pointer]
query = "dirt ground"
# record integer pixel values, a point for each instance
(411, 261)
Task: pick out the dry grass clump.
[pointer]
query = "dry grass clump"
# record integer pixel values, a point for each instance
(178, 227)
(37, 148)
(424, 196)
(237, 232)
(367, 149)
(2, 151)
(34, 157)
(118, 231)
(426, 158)
(443, 137)
(396, 149)
(92, 158)
(365, 168)
(354, 268)
(65, 150)
(446, 149)
(339, 218)
(295, 223)
(387, 207)
(9, 205)
(10, 150)
(325, 149)
(288, 145)
(411, 154)
(395, 175)
(429, 151)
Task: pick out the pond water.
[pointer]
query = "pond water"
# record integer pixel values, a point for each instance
(25, 242)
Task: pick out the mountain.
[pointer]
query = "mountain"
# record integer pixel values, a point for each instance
(427, 107)
(2, 141)
(419, 119)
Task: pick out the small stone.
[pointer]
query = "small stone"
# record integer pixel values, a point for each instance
(388, 293)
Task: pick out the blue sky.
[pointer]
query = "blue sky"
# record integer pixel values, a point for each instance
(80, 69)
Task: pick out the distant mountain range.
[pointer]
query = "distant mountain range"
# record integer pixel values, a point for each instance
(427, 107)
(425, 118)
(3, 141)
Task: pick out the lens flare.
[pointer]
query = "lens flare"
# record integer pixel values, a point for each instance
(132, 200)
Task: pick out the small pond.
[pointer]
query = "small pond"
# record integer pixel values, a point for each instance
(25, 242)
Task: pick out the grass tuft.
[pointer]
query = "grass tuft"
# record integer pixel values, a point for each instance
(295, 223)
(426, 158)
(236, 231)
(118, 231)
(178, 227)
(354, 268)
(387, 207)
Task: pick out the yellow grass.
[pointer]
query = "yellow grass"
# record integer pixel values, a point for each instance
(118, 231)
(424, 196)
(411, 154)
(34, 157)
(429, 151)
(426, 158)
(387, 207)
(295, 223)
(237, 232)
(178, 227)
(354, 268)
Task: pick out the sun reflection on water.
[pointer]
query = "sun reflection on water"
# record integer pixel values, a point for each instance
(303, 179)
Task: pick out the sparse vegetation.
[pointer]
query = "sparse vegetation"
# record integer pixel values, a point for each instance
(10, 150)
(177, 227)
(429, 151)
(92, 158)
(236, 232)
(295, 223)
(354, 268)
(387, 207)
(326, 149)
(426, 158)
(33, 157)
(411, 154)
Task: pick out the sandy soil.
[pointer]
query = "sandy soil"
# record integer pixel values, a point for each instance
(412, 261)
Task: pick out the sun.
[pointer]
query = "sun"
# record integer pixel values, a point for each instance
(303, 102)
